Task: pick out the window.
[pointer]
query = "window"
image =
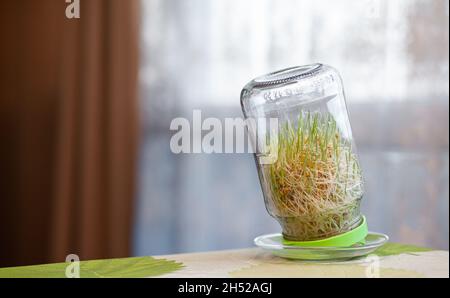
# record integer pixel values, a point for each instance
(393, 56)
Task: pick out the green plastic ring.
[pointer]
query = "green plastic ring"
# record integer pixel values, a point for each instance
(343, 240)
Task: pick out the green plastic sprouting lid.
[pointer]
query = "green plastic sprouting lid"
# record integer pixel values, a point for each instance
(347, 239)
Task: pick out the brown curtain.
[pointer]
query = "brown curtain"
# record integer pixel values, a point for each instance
(68, 125)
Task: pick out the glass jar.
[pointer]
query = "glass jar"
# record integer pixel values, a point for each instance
(312, 184)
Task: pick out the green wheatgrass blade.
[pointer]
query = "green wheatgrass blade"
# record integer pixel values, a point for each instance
(112, 268)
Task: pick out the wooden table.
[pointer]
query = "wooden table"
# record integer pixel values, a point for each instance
(393, 260)
(258, 263)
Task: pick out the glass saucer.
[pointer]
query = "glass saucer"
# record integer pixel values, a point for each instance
(274, 244)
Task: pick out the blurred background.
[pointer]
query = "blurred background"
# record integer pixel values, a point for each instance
(86, 106)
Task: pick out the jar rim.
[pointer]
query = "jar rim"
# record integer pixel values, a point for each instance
(286, 75)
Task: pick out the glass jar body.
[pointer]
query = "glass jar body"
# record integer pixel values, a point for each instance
(312, 182)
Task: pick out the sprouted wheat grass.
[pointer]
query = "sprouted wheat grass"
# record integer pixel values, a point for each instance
(315, 185)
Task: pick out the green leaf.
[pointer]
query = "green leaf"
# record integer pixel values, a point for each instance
(390, 249)
(126, 267)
